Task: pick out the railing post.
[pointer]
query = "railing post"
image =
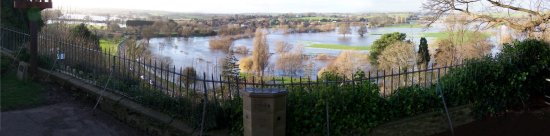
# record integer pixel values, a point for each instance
(264, 112)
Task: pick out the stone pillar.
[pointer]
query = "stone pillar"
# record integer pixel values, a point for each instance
(264, 112)
(22, 71)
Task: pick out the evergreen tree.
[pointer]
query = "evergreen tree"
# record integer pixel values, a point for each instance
(379, 45)
(230, 71)
(230, 66)
(423, 53)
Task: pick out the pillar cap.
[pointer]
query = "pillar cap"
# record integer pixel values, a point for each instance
(264, 92)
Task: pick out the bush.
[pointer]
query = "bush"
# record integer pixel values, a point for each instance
(414, 100)
(495, 85)
(223, 44)
(4, 64)
(242, 50)
(353, 109)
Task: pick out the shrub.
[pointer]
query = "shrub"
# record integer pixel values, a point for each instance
(242, 50)
(245, 64)
(4, 64)
(530, 57)
(353, 109)
(221, 43)
(495, 85)
(413, 100)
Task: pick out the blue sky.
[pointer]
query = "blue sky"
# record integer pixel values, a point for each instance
(249, 6)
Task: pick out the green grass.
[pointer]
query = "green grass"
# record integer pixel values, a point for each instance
(445, 34)
(109, 45)
(19, 94)
(338, 47)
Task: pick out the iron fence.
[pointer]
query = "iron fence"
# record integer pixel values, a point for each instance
(181, 92)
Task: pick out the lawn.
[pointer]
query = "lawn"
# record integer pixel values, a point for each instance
(17, 94)
(338, 47)
(110, 46)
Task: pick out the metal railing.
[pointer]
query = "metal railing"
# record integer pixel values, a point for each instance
(177, 92)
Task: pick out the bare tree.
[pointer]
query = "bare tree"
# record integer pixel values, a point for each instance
(291, 62)
(260, 52)
(346, 63)
(397, 55)
(282, 47)
(136, 50)
(186, 31)
(483, 11)
(344, 29)
(147, 33)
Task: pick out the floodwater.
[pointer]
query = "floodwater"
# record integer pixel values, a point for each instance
(195, 52)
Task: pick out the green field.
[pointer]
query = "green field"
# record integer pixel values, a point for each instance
(445, 34)
(110, 46)
(18, 94)
(338, 47)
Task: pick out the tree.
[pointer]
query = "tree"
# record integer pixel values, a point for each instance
(137, 51)
(397, 55)
(344, 29)
(379, 45)
(15, 17)
(291, 62)
(147, 33)
(362, 30)
(481, 11)
(230, 70)
(245, 64)
(423, 58)
(186, 31)
(260, 53)
(188, 76)
(282, 47)
(345, 64)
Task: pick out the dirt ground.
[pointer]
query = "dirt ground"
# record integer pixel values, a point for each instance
(530, 123)
(62, 114)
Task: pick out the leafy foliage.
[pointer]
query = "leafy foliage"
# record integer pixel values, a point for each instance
(380, 44)
(494, 85)
(353, 108)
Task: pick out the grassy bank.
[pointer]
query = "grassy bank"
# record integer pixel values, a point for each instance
(338, 47)
(109, 45)
(18, 94)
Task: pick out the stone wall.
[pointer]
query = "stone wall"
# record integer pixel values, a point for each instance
(127, 111)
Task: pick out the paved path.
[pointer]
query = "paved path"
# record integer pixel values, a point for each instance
(62, 119)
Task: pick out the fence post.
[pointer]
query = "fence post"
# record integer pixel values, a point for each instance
(264, 111)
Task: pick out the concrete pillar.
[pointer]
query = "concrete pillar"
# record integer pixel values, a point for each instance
(264, 112)
(22, 71)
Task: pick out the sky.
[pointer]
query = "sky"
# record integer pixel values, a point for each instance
(248, 6)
